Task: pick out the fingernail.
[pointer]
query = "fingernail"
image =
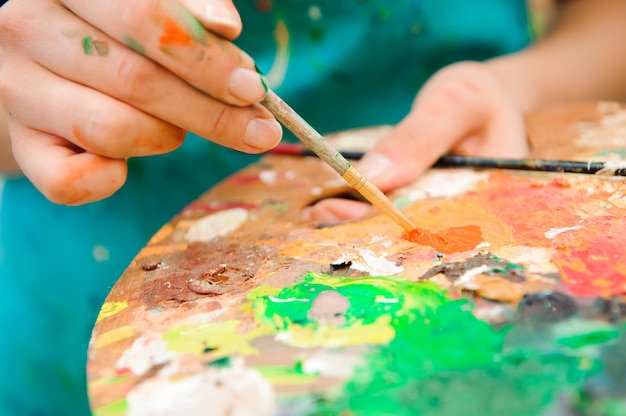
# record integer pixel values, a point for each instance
(262, 134)
(218, 12)
(376, 167)
(247, 85)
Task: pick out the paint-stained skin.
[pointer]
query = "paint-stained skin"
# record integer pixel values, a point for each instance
(93, 46)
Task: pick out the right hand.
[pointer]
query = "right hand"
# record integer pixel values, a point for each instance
(88, 84)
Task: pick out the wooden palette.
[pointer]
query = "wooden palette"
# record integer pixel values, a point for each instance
(238, 306)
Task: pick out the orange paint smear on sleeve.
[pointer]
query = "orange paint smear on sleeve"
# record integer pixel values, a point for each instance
(175, 35)
(452, 240)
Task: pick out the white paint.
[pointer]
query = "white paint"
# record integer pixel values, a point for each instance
(380, 299)
(467, 279)
(609, 132)
(287, 300)
(233, 391)
(440, 183)
(270, 177)
(610, 167)
(553, 232)
(332, 363)
(367, 261)
(146, 352)
(216, 225)
(316, 191)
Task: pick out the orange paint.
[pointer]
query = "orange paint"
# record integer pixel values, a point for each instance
(452, 240)
(175, 35)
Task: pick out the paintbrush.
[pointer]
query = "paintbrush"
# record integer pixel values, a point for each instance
(318, 145)
(606, 168)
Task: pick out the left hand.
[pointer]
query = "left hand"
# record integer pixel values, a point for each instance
(463, 109)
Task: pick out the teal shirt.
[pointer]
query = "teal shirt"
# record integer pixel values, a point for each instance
(340, 63)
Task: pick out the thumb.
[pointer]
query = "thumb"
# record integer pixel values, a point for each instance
(218, 16)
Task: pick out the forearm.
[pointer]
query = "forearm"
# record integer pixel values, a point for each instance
(582, 57)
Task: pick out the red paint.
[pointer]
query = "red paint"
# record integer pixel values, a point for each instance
(174, 35)
(243, 179)
(592, 260)
(452, 240)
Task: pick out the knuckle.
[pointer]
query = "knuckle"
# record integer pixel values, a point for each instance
(10, 28)
(105, 132)
(217, 124)
(136, 76)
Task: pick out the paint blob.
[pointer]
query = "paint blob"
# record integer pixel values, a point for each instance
(452, 240)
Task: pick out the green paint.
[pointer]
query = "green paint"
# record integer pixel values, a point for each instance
(117, 408)
(193, 26)
(95, 47)
(371, 298)
(263, 81)
(134, 45)
(437, 358)
(87, 45)
(446, 362)
(286, 376)
(374, 302)
(224, 362)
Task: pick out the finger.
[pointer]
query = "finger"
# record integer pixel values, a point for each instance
(63, 173)
(462, 109)
(98, 124)
(168, 33)
(104, 64)
(335, 210)
(218, 16)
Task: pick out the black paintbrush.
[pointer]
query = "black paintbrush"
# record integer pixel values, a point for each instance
(607, 168)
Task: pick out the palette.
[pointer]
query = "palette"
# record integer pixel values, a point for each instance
(239, 306)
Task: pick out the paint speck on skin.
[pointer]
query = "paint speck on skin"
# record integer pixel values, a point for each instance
(216, 225)
(95, 47)
(134, 45)
(173, 34)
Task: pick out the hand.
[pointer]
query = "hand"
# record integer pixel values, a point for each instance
(463, 109)
(88, 84)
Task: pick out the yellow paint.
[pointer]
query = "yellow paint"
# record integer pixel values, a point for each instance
(110, 309)
(601, 282)
(114, 335)
(223, 337)
(379, 332)
(276, 75)
(285, 376)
